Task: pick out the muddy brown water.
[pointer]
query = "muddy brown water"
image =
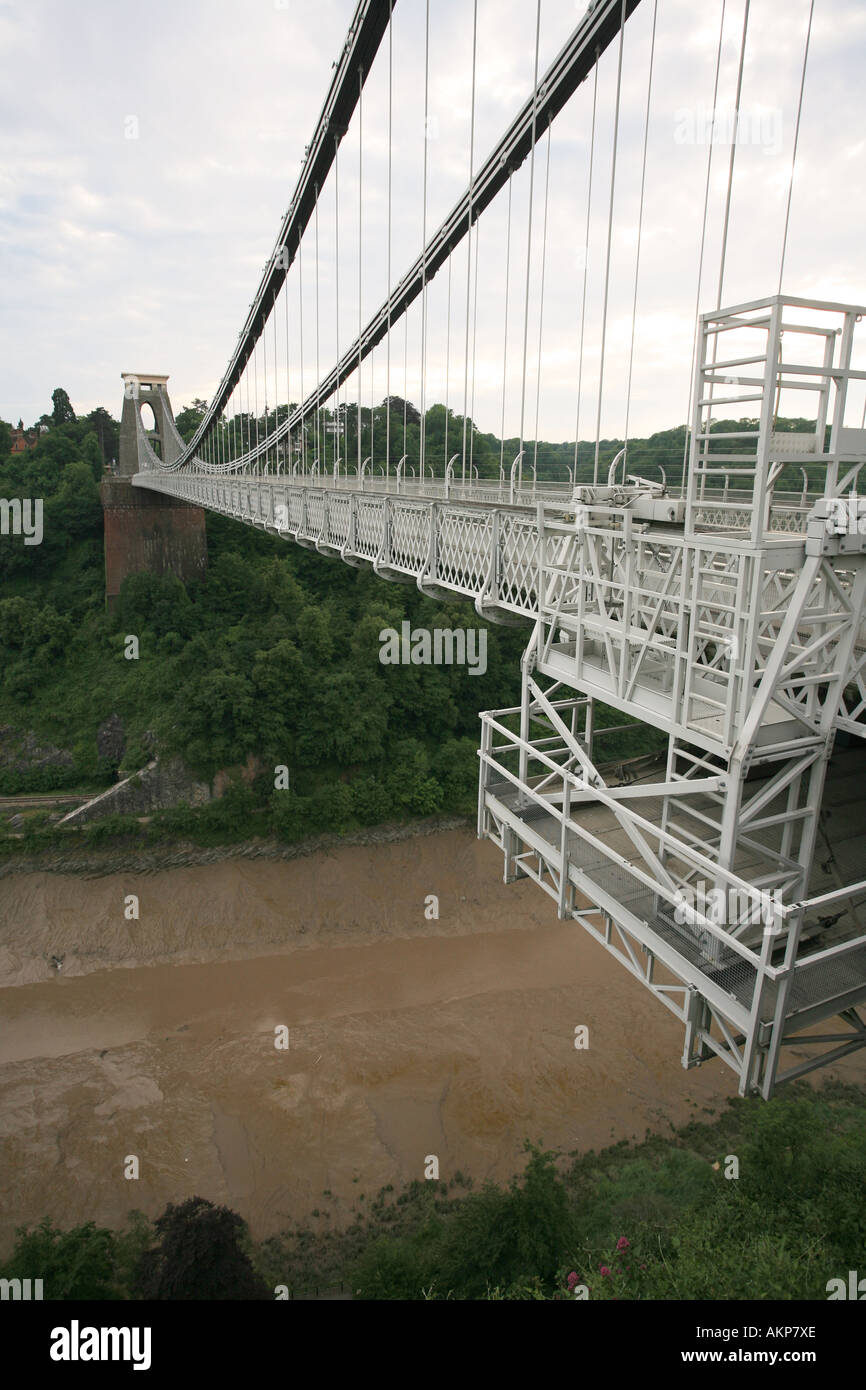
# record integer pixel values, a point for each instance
(407, 1036)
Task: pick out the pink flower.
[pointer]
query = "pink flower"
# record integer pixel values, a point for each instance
(571, 1280)
(622, 1243)
(603, 1269)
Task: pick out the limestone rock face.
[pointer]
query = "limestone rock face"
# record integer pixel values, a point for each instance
(158, 785)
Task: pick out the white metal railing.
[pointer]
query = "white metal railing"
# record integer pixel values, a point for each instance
(717, 509)
(826, 899)
(665, 842)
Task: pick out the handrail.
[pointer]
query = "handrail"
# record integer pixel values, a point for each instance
(824, 899)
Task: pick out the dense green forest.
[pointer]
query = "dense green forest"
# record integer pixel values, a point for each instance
(670, 1218)
(273, 655)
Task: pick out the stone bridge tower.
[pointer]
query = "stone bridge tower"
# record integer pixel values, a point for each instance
(147, 531)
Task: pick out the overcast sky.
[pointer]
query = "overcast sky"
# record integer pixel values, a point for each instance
(148, 153)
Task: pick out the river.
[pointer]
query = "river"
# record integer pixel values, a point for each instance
(408, 1035)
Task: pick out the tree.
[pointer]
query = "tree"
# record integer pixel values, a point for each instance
(396, 405)
(499, 1237)
(199, 1255)
(158, 602)
(189, 419)
(106, 430)
(75, 510)
(62, 414)
(82, 1263)
(92, 454)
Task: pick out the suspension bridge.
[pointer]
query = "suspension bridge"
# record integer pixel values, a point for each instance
(723, 607)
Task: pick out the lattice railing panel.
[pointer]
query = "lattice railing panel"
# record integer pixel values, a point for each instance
(296, 510)
(518, 568)
(463, 558)
(315, 516)
(369, 526)
(339, 517)
(410, 537)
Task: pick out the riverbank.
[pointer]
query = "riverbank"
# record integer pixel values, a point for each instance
(409, 1035)
(181, 853)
